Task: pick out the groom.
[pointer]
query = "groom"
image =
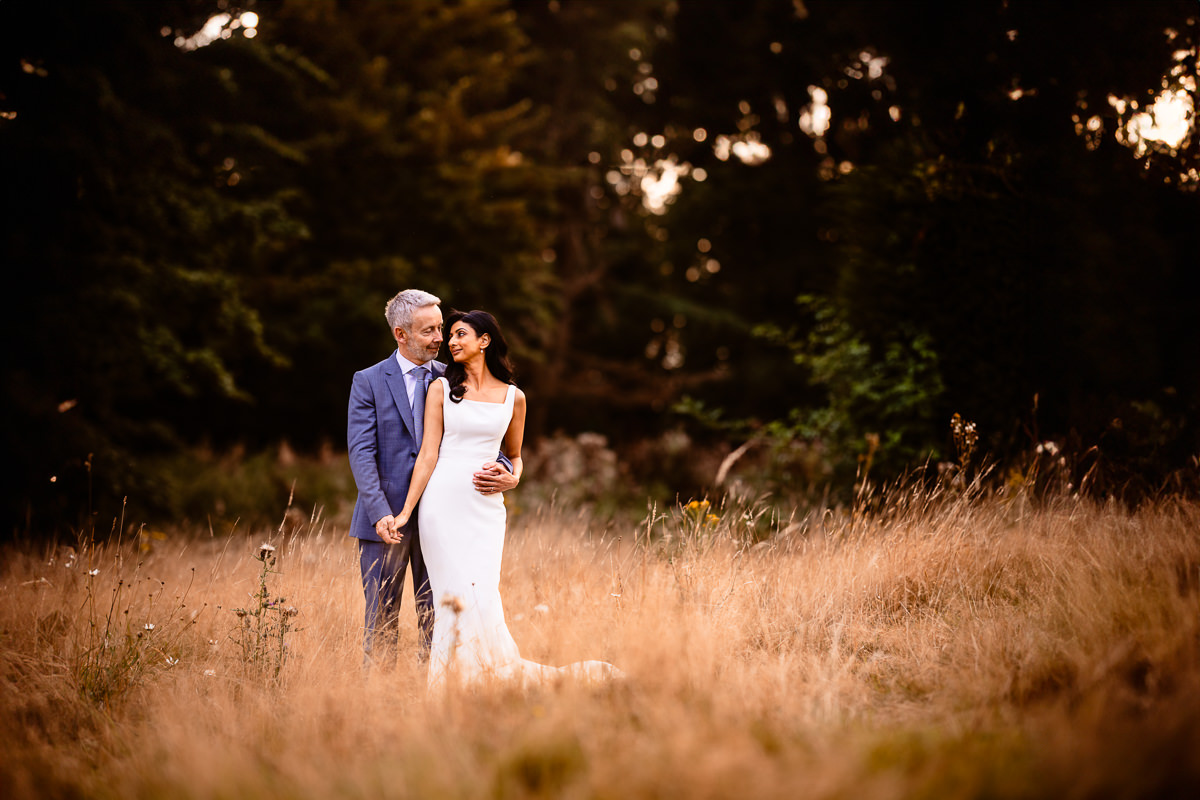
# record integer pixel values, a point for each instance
(383, 432)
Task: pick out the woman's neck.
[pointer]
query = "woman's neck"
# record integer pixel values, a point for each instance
(476, 374)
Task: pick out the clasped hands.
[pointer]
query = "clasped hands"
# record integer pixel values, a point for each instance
(490, 478)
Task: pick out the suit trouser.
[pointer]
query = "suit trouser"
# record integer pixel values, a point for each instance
(383, 583)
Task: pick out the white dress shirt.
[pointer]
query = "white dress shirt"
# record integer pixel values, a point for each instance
(411, 380)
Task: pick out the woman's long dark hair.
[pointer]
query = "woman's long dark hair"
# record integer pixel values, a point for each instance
(495, 356)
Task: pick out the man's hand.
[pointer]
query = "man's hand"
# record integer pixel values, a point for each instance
(388, 530)
(492, 478)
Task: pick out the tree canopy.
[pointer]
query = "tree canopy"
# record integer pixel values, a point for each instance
(828, 222)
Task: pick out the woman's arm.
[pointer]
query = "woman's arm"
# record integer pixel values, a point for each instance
(431, 444)
(515, 434)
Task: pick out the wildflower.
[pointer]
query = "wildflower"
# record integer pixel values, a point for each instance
(149, 626)
(1047, 447)
(265, 551)
(93, 572)
(965, 438)
(210, 673)
(291, 611)
(542, 608)
(241, 612)
(172, 661)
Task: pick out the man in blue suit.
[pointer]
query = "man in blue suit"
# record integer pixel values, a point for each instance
(383, 432)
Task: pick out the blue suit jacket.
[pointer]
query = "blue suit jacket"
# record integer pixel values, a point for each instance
(383, 451)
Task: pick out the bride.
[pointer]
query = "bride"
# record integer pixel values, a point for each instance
(469, 413)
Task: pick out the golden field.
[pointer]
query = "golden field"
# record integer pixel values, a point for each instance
(938, 647)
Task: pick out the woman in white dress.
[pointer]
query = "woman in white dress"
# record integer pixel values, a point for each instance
(470, 413)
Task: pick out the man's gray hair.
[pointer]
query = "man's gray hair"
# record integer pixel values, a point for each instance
(400, 308)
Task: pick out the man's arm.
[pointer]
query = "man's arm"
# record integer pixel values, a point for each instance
(362, 443)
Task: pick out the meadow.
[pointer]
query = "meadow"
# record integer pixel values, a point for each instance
(943, 645)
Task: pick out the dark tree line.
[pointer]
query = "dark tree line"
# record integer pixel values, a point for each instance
(200, 240)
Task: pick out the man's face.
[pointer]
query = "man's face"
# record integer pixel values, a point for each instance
(421, 344)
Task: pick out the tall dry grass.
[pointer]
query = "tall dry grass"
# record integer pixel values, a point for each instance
(938, 647)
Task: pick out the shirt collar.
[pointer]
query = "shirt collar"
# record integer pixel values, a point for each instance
(407, 366)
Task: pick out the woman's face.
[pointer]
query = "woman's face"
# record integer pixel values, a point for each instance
(464, 344)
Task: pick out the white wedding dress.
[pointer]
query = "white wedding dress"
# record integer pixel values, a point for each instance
(462, 539)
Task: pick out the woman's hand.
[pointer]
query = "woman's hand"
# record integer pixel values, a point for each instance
(400, 521)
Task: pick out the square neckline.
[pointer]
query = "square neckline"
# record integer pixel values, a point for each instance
(503, 402)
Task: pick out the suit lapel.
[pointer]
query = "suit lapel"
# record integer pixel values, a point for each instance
(395, 382)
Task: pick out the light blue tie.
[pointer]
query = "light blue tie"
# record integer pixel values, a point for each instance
(420, 389)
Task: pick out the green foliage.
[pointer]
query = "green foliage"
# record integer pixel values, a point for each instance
(973, 250)
(205, 238)
(882, 397)
(248, 489)
(213, 233)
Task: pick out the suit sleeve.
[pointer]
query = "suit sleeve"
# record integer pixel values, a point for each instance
(503, 461)
(362, 441)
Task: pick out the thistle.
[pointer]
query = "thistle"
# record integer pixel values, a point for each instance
(263, 628)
